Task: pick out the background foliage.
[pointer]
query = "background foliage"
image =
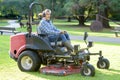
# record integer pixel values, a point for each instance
(81, 10)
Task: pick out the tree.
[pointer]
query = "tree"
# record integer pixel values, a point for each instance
(102, 9)
(79, 9)
(83, 9)
(7, 8)
(56, 7)
(106, 7)
(114, 8)
(20, 7)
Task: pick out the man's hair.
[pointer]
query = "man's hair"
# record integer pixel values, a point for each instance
(45, 11)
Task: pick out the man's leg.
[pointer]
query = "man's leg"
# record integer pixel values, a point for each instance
(53, 38)
(66, 41)
(63, 37)
(67, 37)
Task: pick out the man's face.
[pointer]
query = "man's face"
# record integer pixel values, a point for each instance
(47, 16)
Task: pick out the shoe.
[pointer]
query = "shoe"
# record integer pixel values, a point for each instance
(59, 51)
(68, 45)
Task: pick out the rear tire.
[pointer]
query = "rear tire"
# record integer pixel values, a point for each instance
(103, 63)
(88, 70)
(28, 61)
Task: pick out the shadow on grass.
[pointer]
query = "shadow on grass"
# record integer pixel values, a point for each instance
(113, 70)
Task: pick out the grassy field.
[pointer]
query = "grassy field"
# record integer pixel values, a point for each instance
(73, 28)
(3, 22)
(10, 71)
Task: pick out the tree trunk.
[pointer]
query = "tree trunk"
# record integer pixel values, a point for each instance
(103, 15)
(69, 19)
(81, 20)
(26, 16)
(103, 18)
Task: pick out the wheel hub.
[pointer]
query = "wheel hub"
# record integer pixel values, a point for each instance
(87, 72)
(102, 64)
(26, 62)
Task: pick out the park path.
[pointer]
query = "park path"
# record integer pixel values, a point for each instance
(12, 23)
(97, 39)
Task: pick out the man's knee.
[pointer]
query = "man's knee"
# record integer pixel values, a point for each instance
(63, 37)
(67, 36)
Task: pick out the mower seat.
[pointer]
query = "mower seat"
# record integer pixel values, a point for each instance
(58, 43)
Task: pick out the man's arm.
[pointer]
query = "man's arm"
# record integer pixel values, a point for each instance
(54, 27)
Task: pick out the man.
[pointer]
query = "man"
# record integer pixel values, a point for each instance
(46, 27)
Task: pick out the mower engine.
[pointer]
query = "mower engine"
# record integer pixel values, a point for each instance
(82, 54)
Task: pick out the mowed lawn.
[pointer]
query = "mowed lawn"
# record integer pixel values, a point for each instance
(73, 28)
(3, 22)
(10, 71)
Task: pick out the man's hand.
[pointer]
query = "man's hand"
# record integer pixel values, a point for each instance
(65, 31)
(62, 32)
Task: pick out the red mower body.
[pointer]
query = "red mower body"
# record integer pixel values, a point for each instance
(23, 41)
(17, 44)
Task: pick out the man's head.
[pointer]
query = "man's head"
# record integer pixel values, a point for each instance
(47, 14)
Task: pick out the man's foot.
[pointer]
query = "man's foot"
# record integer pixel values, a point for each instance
(68, 45)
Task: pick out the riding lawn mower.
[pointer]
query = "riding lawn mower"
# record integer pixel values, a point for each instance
(30, 51)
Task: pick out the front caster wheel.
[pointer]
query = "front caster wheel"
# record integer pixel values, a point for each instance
(103, 63)
(87, 70)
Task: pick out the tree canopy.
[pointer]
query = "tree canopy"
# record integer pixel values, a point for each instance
(81, 10)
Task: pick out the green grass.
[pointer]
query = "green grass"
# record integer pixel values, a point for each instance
(10, 71)
(73, 28)
(3, 22)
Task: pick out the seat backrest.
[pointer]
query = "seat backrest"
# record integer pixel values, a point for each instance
(38, 30)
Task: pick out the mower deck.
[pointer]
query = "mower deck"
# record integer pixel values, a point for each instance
(60, 70)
